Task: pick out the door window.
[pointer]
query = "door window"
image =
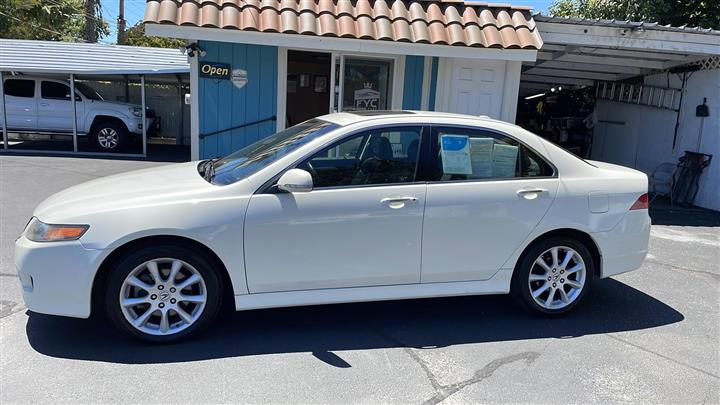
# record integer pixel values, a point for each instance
(20, 88)
(56, 91)
(382, 156)
(469, 154)
(366, 84)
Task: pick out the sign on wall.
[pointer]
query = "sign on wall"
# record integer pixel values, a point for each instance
(239, 78)
(214, 70)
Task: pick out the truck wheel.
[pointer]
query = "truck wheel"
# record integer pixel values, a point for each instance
(109, 136)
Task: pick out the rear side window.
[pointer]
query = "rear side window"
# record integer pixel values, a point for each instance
(56, 91)
(20, 88)
(474, 154)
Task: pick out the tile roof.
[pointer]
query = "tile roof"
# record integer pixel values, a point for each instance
(453, 22)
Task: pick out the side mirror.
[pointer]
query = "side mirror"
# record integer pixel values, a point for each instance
(295, 181)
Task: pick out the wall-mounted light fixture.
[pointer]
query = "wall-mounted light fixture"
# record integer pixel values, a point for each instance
(192, 49)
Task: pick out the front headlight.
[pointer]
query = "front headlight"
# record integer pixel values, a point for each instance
(38, 231)
(136, 111)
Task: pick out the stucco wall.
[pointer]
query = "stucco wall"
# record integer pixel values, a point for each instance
(641, 137)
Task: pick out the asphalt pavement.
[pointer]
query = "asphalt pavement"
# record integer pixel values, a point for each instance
(650, 336)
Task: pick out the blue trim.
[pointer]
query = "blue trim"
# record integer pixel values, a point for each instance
(224, 107)
(413, 80)
(433, 83)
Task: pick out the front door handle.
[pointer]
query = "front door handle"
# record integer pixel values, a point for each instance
(397, 202)
(44, 104)
(531, 193)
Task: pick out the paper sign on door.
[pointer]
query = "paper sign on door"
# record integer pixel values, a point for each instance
(455, 153)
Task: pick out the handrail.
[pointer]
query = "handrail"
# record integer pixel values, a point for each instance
(203, 136)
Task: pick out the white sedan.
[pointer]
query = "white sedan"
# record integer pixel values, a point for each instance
(346, 207)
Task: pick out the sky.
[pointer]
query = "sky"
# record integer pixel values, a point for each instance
(134, 10)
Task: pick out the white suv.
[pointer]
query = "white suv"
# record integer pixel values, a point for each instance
(40, 105)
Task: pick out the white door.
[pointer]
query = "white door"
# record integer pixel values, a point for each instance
(55, 107)
(474, 87)
(360, 226)
(20, 104)
(480, 210)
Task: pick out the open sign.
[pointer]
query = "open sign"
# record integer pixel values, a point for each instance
(215, 70)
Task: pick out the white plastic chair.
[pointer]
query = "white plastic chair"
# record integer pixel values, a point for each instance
(661, 180)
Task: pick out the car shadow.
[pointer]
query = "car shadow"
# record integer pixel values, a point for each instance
(320, 330)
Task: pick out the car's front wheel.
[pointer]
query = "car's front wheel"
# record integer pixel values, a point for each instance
(109, 136)
(553, 276)
(163, 293)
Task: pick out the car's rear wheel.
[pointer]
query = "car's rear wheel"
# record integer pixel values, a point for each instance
(553, 276)
(163, 293)
(109, 136)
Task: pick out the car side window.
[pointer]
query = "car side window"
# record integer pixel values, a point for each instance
(20, 88)
(382, 156)
(469, 154)
(56, 91)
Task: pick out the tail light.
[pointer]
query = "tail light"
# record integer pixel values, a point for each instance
(642, 203)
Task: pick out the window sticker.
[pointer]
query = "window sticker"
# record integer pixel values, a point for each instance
(481, 155)
(504, 160)
(455, 154)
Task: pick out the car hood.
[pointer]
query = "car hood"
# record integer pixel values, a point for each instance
(159, 185)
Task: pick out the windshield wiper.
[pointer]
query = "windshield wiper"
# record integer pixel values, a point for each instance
(207, 169)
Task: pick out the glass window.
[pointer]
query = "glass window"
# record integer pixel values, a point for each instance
(260, 154)
(381, 156)
(466, 154)
(20, 88)
(366, 84)
(56, 91)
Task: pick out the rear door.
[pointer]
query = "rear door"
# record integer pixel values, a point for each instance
(487, 193)
(20, 104)
(55, 107)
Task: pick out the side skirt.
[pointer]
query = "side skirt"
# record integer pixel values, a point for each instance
(498, 284)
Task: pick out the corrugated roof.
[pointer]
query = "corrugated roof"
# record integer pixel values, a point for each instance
(83, 58)
(447, 22)
(623, 24)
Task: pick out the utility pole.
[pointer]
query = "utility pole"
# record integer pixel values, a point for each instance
(121, 34)
(90, 32)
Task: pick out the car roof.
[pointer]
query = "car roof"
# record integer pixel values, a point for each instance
(347, 118)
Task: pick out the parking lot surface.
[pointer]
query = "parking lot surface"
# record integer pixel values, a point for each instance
(652, 335)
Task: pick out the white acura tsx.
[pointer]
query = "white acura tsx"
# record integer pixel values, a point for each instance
(346, 207)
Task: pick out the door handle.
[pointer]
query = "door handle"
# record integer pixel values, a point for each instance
(531, 193)
(44, 104)
(397, 202)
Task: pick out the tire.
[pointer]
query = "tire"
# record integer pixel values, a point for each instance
(109, 136)
(131, 281)
(556, 278)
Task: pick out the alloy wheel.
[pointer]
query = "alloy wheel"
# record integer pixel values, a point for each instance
(108, 138)
(163, 296)
(557, 277)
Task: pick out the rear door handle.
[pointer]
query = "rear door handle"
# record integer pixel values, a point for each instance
(397, 202)
(531, 193)
(44, 104)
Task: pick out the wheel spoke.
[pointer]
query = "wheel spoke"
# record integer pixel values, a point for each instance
(568, 256)
(136, 282)
(131, 302)
(164, 321)
(573, 284)
(563, 295)
(197, 299)
(541, 262)
(187, 318)
(537, 277)
(176, 266)
(574, 269)
(188, 282)
(142, 319)
(153, 269)
(554, 253)
(550, 298)
(540, 290)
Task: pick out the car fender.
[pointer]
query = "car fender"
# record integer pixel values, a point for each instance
(94, 113)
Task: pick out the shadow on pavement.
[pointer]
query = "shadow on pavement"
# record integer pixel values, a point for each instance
(663, 213)
(612, 307)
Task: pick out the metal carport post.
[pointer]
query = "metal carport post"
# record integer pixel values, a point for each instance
(4, 111)
(74, 111)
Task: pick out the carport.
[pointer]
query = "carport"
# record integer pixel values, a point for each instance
(132, 66)
(627, 93)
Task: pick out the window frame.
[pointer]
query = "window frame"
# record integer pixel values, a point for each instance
(268, 187)
(433, 156)
(34, 84)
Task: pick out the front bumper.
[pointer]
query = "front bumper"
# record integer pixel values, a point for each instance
(56, 277)
(624, 247)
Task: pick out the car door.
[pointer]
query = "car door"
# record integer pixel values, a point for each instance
(360, 226)
(486, 195)
(55, 107)
(20, 104)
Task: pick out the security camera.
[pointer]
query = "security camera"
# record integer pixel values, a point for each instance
(193, 49)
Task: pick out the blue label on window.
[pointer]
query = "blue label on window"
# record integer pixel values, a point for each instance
(453, 143)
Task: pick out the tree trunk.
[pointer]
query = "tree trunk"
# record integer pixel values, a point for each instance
(90, 32)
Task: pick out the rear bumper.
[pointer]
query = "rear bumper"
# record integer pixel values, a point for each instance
(56, 277)
(624, 247)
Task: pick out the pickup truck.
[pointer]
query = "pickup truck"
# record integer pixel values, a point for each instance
(42, 105)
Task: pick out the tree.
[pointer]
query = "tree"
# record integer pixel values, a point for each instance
(56, 20)
(136, 37)
(693, 13)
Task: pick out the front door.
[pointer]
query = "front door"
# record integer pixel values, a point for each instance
(308, 86)
(360, 226)
(487, 194)
(475, 88)
(55, 107)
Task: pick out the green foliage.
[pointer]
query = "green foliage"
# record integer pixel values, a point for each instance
(693, 13)
(136, 37)
(58, 20)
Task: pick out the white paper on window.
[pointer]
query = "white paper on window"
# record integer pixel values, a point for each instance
(455, 154)
(504, 160)
(481, 155)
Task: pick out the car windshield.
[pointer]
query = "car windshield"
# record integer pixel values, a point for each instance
(88, 91)
(252, 158)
